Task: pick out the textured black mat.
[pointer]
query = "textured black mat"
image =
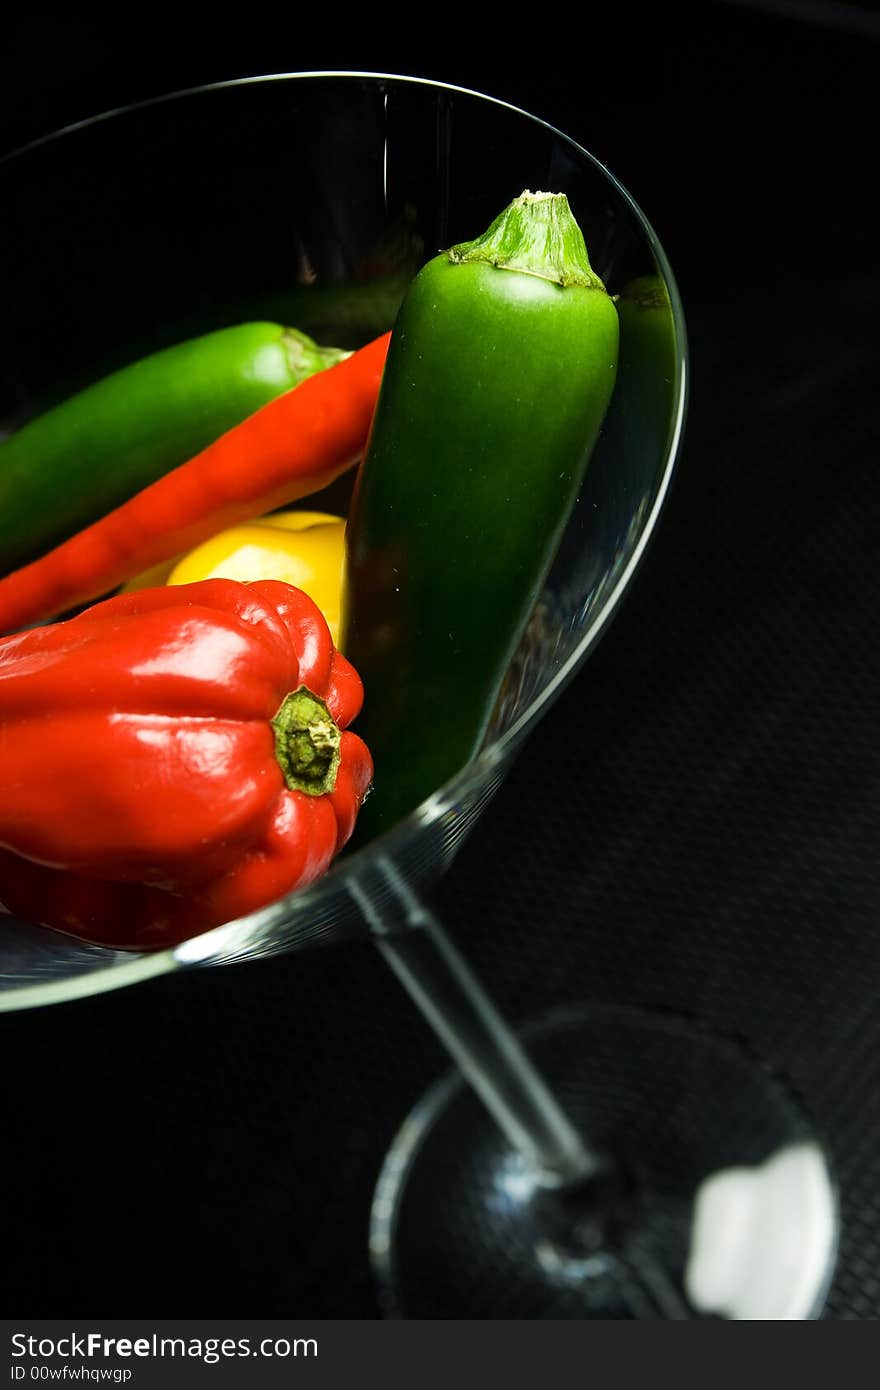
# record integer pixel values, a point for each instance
(695, 826)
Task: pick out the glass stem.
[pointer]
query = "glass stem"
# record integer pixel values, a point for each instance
(467, 1023)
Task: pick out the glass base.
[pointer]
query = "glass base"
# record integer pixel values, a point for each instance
(717, 1201)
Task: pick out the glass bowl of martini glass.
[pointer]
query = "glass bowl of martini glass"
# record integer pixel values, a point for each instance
(604, 1163)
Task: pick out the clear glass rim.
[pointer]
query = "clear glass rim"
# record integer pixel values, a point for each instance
(207, 945)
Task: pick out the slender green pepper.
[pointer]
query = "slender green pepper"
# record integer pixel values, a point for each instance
(501, 366)
(66, 468)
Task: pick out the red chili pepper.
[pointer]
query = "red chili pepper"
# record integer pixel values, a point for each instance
(173, 758)
(292, 447)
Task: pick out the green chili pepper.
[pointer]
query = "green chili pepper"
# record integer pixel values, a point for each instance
(81, 459)
(501, 367)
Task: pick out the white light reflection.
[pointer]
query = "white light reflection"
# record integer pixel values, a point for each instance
(764, 1238)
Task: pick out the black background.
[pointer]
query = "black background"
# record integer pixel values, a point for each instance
(694, 827)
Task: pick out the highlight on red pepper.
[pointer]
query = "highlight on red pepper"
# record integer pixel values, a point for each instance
(174, 758)
(292, 447)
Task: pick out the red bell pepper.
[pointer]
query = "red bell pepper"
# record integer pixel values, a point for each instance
(292, 447)
(173, 758)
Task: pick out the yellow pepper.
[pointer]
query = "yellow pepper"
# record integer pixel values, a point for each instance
(303, 548)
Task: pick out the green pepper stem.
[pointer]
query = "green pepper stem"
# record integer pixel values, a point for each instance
(536, 235)
(305, 356)
(307, 743)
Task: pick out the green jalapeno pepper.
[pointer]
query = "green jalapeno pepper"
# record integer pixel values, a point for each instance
(501, 367)
(87, 455)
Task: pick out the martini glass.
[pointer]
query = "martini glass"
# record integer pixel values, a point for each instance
(606, 1163)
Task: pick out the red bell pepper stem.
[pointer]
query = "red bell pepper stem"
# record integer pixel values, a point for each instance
(292, 447)
(307, 743)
